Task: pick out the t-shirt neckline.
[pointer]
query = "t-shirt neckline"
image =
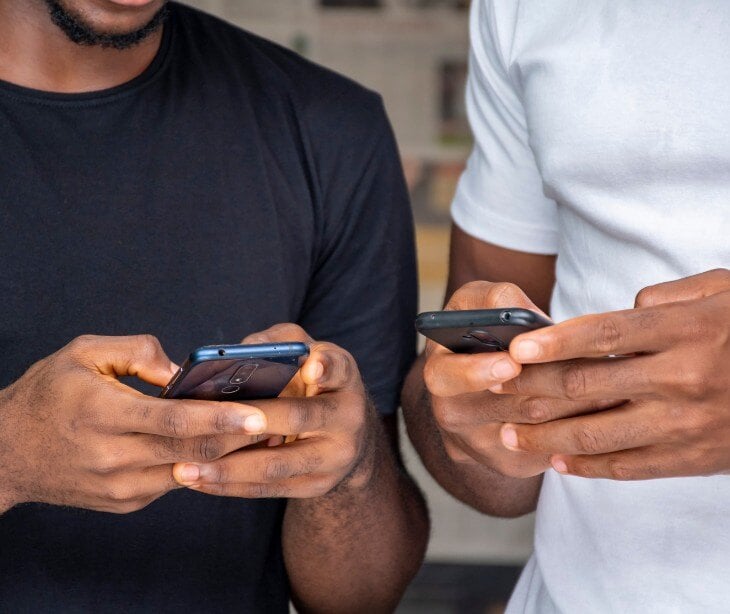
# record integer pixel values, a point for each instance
(148, 74)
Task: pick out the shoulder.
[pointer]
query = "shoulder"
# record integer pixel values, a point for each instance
(321, 97)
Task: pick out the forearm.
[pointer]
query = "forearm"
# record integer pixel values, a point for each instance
(477, 485)
(357, 548)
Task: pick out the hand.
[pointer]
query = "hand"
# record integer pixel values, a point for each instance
(467, 414)
(674, 367)
(72, 434)
(326, 407)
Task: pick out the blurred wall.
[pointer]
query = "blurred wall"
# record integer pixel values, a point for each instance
(414, 52)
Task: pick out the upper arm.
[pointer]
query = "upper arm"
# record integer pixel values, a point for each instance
(506, 228)
(472, 260)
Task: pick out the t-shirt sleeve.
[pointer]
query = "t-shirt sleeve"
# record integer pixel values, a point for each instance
(500, 196)
(363, 294)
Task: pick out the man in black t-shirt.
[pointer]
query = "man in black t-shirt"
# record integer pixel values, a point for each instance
(162, 172)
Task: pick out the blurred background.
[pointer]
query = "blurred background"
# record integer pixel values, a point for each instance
(414, 53)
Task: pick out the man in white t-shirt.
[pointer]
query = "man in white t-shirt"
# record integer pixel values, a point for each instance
(599, 184)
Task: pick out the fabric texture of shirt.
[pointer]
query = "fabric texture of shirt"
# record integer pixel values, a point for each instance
(231, 186)
(603, 136)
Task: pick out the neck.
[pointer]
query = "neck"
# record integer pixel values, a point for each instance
(35, 53)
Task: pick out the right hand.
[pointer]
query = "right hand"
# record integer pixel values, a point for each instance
(467, 414)
(72, 434)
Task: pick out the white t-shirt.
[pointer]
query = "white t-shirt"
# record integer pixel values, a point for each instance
(603, 136)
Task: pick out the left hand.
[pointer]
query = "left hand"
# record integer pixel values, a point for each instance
(325, 406)
(672, 364)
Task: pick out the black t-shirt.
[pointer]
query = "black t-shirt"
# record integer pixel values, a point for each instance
(230, 187)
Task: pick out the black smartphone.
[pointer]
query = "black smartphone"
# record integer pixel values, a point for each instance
(480, 330)
(237, 372)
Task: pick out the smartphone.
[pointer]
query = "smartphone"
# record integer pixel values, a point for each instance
(237, 372)
(481, 330)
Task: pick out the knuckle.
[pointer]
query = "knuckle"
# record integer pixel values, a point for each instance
(208, 448)
(222, 421)
(431, 377)
(275, 469)
(146, 345)
(287, 330)
(122, 492)
(266, 491)
(588, 440)
(220, 473)
(502, 294)
(298, 416)
(608, 336)
(455, 453)
(573, 380)
(466, 294)
(82, 343)
(618, 470)
(323, 486)
(722, 276)
(174, 422)
(107, 463)
(534, 410)
(645, 296)
(347, 452)
(448, 417)
(694, 382)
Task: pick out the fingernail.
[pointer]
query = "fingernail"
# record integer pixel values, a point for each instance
(560, 466)
(527, 350)
(497, 389)
(254, 424)
(509, 438)
(189, 473)
(503, 369)
(318, 371)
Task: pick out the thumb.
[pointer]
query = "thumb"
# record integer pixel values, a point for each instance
(138, 356)
(490, 295)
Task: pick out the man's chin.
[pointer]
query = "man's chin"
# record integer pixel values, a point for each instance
(118, 24)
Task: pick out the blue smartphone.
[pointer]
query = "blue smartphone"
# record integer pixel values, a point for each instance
(237, 372)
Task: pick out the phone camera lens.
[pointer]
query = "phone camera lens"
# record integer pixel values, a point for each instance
(221, 352)
(506, 316)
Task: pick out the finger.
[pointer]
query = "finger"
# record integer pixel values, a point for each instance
(298, 415)
(182, 419)
(280, 333)
(139, 356)
(131, 487)
(689, 288)
(483, 447)
(588, 379)
(645, 463)
(630, 426)
(152, 450)
(261, 466)
(330, 368)
(594, 336)
(305, 487)
(447, 374)
(489, 295)
(470, 410)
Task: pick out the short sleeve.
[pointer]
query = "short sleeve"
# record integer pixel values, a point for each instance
(363, 294)
(500, 196)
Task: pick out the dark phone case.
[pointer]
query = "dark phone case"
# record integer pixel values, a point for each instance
(237, 372)
(482, 330)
